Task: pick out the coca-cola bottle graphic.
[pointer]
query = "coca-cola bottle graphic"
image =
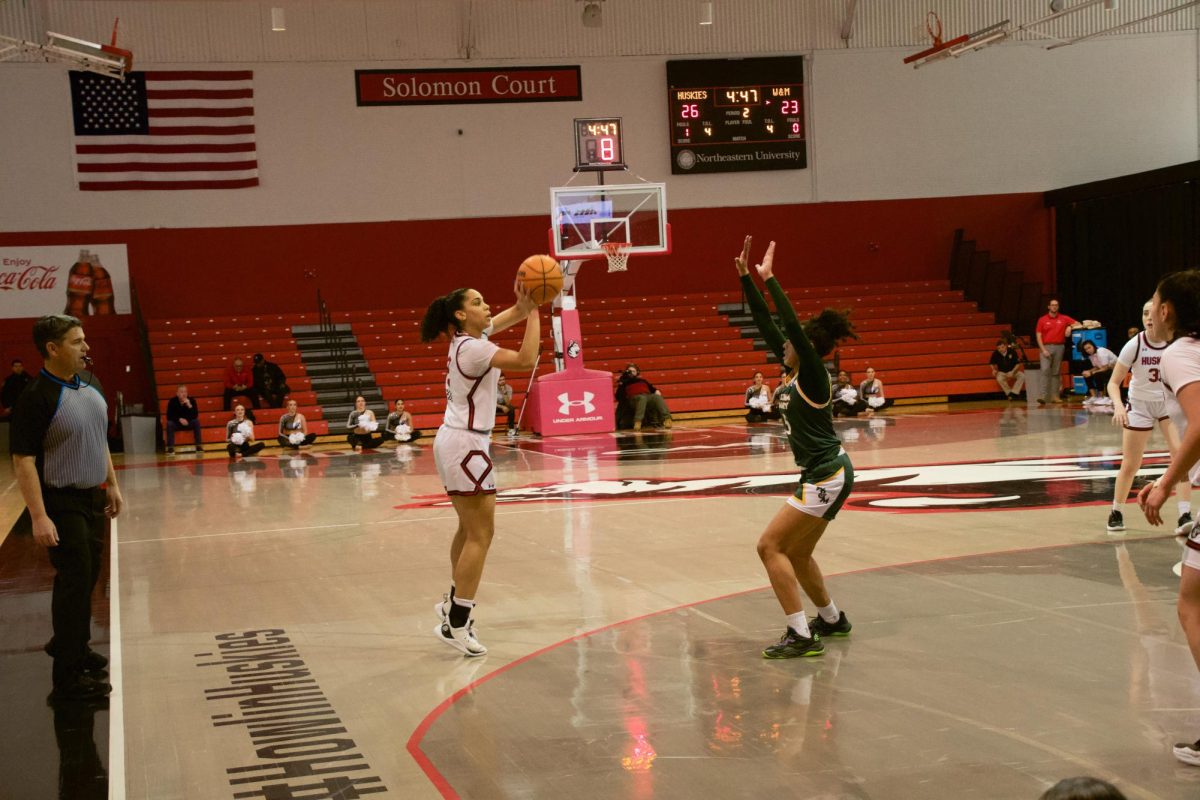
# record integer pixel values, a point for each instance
(102, 288)
(79, 285)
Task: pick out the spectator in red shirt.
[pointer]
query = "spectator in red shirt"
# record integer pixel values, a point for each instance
(1053, 330)
(239, 381)
(641, 396)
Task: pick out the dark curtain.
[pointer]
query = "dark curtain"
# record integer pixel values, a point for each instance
(1112, 248)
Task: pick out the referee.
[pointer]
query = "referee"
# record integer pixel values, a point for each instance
(59, 437)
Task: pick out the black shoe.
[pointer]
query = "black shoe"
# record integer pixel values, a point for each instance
(1188, 753)
(80, 687)
(822, 628)
(1116, 522)
(92, 661)
(1184, 519)
(793, 645)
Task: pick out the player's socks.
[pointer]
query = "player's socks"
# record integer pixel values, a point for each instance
(799, 623)
(460, 612)
(830, 612)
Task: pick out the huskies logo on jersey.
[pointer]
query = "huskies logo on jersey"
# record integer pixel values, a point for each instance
(573, 350)
(985, 485)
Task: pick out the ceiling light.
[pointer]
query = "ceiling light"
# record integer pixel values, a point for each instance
(277, 21)
(706, 13)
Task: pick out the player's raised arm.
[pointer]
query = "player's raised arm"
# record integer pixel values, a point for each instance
(758, 306)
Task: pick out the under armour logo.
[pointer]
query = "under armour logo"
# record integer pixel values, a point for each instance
(568, 403)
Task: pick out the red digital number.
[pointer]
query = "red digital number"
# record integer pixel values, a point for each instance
(691, 111)
(795, 127)
(790, 107)
(608, 149)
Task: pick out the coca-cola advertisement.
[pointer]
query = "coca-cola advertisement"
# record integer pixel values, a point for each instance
(83, 280)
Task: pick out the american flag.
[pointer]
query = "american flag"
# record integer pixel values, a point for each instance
(164, 130)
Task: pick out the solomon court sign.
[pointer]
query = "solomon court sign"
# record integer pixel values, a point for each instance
(425, 87)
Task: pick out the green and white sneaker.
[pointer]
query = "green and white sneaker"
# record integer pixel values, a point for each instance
(793, 645)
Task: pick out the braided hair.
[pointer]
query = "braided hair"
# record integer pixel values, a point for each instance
(440, 315)
(827, 329)
(1182, 291)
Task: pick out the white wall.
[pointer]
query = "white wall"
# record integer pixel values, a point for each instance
(1006, 119)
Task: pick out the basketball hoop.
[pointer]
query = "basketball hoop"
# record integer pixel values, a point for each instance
(617, 254)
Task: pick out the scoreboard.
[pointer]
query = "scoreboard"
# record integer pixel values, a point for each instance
(736, 114)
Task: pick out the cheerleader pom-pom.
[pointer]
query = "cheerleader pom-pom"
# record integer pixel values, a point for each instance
(368, 425)
(758, 402)
(245, 428)
(238, 438)
(296, 438)
(847, 395)
(403, 433)
(875, 402)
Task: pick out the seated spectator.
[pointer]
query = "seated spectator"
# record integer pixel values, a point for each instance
(362, 424)
(293, 429)
(641, 396)
(269, 381)
(1103, 360)
(1007, 369)
(871, 393)
(846, 402)
(239, 435)
(182, 414)
(504, 405)
(783, 373)
(1082, 788)
(239, 381)
(400, 424)
(758, 401)
(14, 384)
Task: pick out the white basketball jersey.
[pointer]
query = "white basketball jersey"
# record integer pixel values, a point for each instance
(1143, 358)
(471, 384)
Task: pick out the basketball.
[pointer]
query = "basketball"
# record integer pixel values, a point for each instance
(542, 278)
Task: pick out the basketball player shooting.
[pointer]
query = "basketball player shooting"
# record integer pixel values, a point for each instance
(462, 447)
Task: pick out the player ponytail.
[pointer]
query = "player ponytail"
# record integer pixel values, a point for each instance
(1182, 291)
(827, 329)
(440, 315)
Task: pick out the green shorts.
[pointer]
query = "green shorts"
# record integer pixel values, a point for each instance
(824, 488)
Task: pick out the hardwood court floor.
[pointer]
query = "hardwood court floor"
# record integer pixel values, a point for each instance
(275, 625)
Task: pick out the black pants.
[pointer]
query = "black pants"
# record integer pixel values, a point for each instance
(284, 443)
(78, 514)
(510, 415)
(250, 392)
(244, 449)
(364, 440)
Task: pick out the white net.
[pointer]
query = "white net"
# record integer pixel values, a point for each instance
(617, 254)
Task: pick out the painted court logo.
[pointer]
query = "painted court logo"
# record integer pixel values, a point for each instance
(567, 403)
(982, 485)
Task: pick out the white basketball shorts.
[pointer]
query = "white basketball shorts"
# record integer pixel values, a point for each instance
(464, 461)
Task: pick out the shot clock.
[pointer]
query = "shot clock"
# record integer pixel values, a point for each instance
(598, 144)
(736, 114)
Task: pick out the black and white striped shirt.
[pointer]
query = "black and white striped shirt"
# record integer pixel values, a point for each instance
(65, 425)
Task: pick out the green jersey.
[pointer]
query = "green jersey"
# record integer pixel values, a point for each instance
(805, 401)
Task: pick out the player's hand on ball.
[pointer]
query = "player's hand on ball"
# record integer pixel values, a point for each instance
(525, 301)
(767, 268)
(742, 262)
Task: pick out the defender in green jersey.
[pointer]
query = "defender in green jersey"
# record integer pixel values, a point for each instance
(826, 475)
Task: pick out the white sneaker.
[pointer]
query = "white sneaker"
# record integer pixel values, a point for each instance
(1188, 753)
(1185, 526)
(461, 639)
